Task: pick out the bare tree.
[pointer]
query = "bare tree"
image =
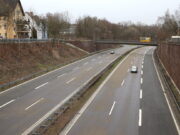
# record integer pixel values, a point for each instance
(167, 26)
(56, 23)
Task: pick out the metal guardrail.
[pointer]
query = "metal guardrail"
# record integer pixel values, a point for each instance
(56, 113)
(30, 40)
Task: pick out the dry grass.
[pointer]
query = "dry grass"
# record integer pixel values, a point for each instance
(20, 60)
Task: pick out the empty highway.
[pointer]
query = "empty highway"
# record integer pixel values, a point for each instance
(126, 103)
(24, 106)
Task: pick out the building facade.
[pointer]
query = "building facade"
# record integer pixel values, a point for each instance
(36, 31)
(12, 23)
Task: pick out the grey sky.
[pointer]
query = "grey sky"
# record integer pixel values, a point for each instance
(145, 11)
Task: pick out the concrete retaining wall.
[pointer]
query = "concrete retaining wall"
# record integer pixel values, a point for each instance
(169, 54)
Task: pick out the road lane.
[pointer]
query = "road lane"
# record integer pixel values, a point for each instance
(53, 91)
(156, 119)
(34, 104)
(137, 108)
(25, 88)
(123, 118)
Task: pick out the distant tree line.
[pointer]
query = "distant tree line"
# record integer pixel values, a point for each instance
(53, 22)
(168, 25)
(95, 29)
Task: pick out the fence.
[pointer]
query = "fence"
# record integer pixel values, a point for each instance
(3, 41)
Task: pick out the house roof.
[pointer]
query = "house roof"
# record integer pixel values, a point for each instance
(8, 6)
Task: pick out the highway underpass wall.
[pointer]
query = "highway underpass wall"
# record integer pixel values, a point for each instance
(169, 54)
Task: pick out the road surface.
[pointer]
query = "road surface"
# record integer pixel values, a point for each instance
(22, 106)
(126, 103)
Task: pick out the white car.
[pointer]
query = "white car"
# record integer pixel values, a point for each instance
(112, 52)
(134, 69)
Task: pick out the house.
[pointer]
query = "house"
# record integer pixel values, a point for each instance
(12, 23)
(36, 30)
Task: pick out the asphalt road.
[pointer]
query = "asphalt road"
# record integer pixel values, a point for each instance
(24, 105)
(126, 103)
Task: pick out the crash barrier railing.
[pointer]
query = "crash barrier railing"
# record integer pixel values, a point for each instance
(4, 41)
(49, 119)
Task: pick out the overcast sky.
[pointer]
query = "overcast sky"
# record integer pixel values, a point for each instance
(145, 11)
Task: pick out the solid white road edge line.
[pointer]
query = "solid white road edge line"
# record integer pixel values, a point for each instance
(112, 108)
(140, 94)
(74, 120)
(140, 118)
(7, 103)
(34, 104)
(167, 100)
(41, 85)
(70, 80)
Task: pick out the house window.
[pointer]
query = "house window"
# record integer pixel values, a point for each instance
(6, 35)
(5, 26)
